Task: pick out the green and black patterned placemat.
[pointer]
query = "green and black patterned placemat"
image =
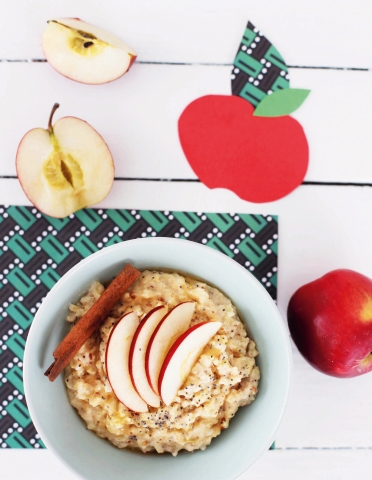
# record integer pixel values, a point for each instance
(36, 250)
(259, 69)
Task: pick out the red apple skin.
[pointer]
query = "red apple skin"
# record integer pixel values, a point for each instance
(261, 159)
(132, 60)
(330, 320)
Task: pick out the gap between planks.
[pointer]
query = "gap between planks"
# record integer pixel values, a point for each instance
(308, 67)
(196, 180)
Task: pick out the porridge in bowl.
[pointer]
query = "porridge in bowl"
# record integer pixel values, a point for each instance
(224, 377)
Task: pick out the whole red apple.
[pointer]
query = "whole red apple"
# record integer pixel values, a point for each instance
(330, 320)
(261, 159)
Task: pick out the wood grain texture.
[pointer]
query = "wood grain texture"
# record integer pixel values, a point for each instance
(137, 115)
(328, 33)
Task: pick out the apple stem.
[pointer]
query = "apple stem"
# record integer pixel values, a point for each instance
(55, 106)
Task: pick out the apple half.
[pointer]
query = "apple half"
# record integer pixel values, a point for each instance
(137, 355)
(85, 53)
(174, 324)
(182, 357)
(64, 168)
(117, 363)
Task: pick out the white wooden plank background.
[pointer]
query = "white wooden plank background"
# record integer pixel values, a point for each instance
(302, 464)
(137, 115)
(328, 33)
(326, 433)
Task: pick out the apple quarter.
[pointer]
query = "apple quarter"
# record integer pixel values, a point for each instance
(85, 53)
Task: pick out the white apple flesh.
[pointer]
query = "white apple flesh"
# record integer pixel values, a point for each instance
(84, 52)
(137, 355)
(64, 168)
(182, 357)
(174, 324)
(117, 363)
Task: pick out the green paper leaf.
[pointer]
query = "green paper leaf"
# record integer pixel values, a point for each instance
(282, 102)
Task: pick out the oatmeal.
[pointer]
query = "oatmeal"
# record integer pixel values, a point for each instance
(224, 378)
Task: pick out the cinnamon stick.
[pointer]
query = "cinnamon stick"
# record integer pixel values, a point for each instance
(89, 322)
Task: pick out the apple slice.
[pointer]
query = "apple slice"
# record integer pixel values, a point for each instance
(166, 333)
(137, 355)
(64, 168)
(84, 52)
(182, 357)
(117, 366)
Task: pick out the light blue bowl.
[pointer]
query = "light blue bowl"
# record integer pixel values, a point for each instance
(250, 433)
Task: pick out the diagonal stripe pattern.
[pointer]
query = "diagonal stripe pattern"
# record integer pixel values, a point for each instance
(258, 68)
(36, 250)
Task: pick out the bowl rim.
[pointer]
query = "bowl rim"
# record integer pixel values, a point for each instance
(104, 251)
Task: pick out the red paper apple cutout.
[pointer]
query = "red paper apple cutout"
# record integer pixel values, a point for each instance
(247, 142)
(330, 320)
(261, 159)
